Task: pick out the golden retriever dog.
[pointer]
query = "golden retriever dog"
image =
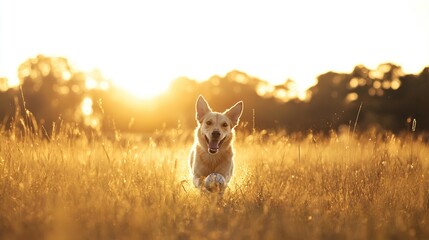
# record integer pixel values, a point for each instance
(212, 153)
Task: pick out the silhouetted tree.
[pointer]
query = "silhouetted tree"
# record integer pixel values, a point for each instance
(52, 89)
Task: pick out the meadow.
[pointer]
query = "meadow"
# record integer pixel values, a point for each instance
(75, 186)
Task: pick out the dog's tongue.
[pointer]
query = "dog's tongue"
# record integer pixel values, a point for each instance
(214, 145)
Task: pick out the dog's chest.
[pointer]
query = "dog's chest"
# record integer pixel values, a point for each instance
(213, 161)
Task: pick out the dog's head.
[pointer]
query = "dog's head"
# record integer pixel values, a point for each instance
(216, 128)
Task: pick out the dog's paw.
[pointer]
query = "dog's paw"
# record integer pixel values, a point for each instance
(215, 182)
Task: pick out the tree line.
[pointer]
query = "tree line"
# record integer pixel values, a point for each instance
(385, 98)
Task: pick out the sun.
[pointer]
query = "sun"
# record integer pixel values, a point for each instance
(144, 85)
(144, 90)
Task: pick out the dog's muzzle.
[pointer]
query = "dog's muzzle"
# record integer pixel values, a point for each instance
(214, 142)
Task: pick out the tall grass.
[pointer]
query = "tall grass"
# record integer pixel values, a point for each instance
(72, 186)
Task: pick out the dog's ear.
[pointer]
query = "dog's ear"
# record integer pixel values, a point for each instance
(234, 113)
(202, 108)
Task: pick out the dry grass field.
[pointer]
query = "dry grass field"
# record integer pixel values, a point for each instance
(285, 187)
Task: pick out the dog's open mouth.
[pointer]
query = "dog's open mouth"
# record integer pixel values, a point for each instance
(214, 144)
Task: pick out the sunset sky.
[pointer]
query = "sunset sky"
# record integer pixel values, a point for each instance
(143, 45)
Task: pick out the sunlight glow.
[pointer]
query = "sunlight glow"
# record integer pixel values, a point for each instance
(352, 97)
(385, 84)
(147, 45)
(376, 84)
(143, 86)
(87, 106)
(264, 89)
(395, 84)
(3, 84)
(354, 82)
(90, 83)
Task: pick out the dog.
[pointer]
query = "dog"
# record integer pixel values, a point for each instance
(212, 151)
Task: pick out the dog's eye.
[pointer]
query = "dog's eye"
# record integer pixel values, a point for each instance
(209, 123)
(224, 124)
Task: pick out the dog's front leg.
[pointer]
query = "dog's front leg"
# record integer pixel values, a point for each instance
(198, 181)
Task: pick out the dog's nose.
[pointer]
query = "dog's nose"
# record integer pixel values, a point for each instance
(215, 134)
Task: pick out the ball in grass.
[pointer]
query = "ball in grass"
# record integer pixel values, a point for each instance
(215, 182)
